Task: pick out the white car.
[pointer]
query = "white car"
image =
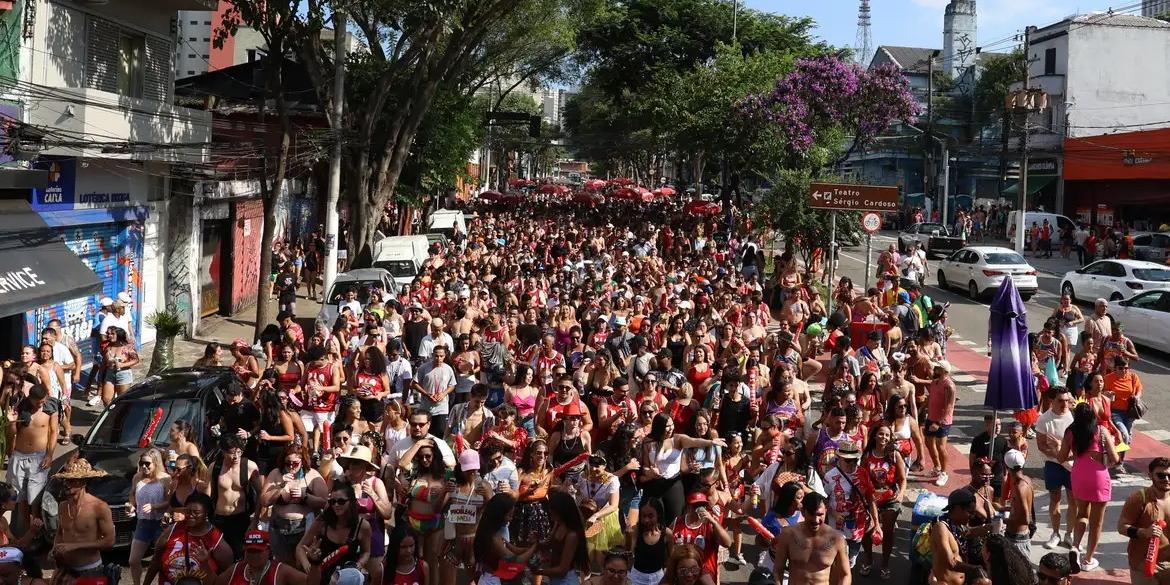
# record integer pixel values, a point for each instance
(980, 269)
(1145, 318)
(1114, 280)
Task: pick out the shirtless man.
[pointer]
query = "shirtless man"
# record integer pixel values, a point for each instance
(34, 424)
(87, 526)
(813, 553)
(795, 311)
(235, 486)
(947, 567)
(867, 305)
(1138, 515)
(1019, 531)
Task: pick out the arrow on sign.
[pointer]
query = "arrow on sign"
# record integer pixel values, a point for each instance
(818, 195)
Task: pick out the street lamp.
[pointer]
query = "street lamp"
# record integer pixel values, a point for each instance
(1025, 102)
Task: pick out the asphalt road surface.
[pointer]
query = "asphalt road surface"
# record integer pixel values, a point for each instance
(967, 353)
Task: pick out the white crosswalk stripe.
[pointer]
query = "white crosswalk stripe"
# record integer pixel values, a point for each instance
(963, 378)
(967, 342)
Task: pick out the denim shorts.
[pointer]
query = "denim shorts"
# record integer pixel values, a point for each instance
(147, 531)
(123, 377)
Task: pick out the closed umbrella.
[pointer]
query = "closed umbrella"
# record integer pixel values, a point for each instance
(1010, 384)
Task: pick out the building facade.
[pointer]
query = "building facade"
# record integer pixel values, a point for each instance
(1094, 68)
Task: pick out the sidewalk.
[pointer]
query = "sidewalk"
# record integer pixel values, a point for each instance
(224, 330)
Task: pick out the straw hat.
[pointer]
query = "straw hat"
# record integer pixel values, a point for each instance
(360, 453)
(79, 469)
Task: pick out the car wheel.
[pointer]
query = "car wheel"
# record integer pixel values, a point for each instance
(973, 290)
(1116, 296)
(1025, 298)
(942, 279)
(1066, 289)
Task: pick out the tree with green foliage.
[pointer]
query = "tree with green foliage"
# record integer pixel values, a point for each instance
(998, 74)
(416, 49)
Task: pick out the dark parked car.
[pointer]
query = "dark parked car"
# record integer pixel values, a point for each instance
(112, 445)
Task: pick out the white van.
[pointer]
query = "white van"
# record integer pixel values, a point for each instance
(402, 256)
(447, 222)
(1057, 221)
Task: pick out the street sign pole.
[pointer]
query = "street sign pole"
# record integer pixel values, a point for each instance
(868, 256)
(832, 255)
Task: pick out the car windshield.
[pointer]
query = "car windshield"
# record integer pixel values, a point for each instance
(397, 268)
(1152, 274)
(125, 422)
(362, 287)
(928, 228)
(996, 258)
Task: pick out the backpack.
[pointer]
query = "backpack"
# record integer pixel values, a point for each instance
(920, 553)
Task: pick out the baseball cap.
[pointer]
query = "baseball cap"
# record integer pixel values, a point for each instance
(239, 342)
(697, 498)
(960, 498)
(619, 321)
(11, 554)
(350, 576)
(124, 297)
(944, 364)
(106, 301)
(256, 539)
(469, 460)
(1013, 459)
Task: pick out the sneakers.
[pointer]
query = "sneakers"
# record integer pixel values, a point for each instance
(1053, 542)
(942, 479)
(1067, 541)
(739, 560)
(95, 400)
(1090, 565)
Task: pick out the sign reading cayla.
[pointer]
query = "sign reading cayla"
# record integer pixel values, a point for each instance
(852, 197)
(22, 279)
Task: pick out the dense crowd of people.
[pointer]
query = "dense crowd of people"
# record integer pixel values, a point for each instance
(619, 394)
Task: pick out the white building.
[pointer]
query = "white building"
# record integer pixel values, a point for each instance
(1154, 8)
(96, 79)
(1102, 73)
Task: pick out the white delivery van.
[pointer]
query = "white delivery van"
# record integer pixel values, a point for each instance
(402, 256)
(447, 222)
(1057, 221)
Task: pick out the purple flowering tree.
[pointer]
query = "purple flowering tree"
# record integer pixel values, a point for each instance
(825, 97)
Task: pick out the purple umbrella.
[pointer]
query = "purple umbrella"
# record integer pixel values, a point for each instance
(1010, 384)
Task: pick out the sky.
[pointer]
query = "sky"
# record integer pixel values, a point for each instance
(918, 23)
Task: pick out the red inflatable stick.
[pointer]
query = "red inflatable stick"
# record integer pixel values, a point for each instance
(148, 434)
(566, 466)
(325, 436)
(334, 556)
(761, 530)
(1151, 566)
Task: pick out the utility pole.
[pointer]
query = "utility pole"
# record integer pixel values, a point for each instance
(1023, 209)
(930, 181)
(331, 218)
(734, 18)
(946, 180)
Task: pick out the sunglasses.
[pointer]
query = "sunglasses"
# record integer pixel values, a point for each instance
(1162, 476)
(338, 501)
(144, 464)
(689, 572)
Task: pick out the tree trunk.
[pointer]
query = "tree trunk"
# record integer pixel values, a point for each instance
(270, 189)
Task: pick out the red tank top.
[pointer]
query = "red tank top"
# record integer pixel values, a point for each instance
(178, 560)
(322, 376)
(287, 381)
(496, 336)
(369, 385)
(416, 576)
(268, 578)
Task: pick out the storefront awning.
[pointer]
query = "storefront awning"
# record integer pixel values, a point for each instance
(1035, 184)
(36, 267)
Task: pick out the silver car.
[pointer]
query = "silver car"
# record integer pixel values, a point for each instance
(1152, 247)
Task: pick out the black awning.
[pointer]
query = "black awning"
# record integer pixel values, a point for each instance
(36, 267)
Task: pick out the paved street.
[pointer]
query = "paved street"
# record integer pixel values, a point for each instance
(967, 355)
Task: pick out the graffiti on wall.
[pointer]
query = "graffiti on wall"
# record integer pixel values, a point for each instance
(114, 253)
(178, 281)
(247, 232)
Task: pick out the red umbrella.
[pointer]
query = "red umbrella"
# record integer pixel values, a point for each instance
(548, 189)
(493, 196)
(644, 195)
(667, 191)
(512, 197)
(595, 184)
(702, 208)
(517, 182)
(624, 193)
(590, 199)
(620, 182)
(563, 189)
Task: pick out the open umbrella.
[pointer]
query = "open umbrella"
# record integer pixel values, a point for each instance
(490, 196)
(517, 182)
(620, 182)
(1010, 384)
(548, 189)
(624, 193)
(595, 184)
(667, 191)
